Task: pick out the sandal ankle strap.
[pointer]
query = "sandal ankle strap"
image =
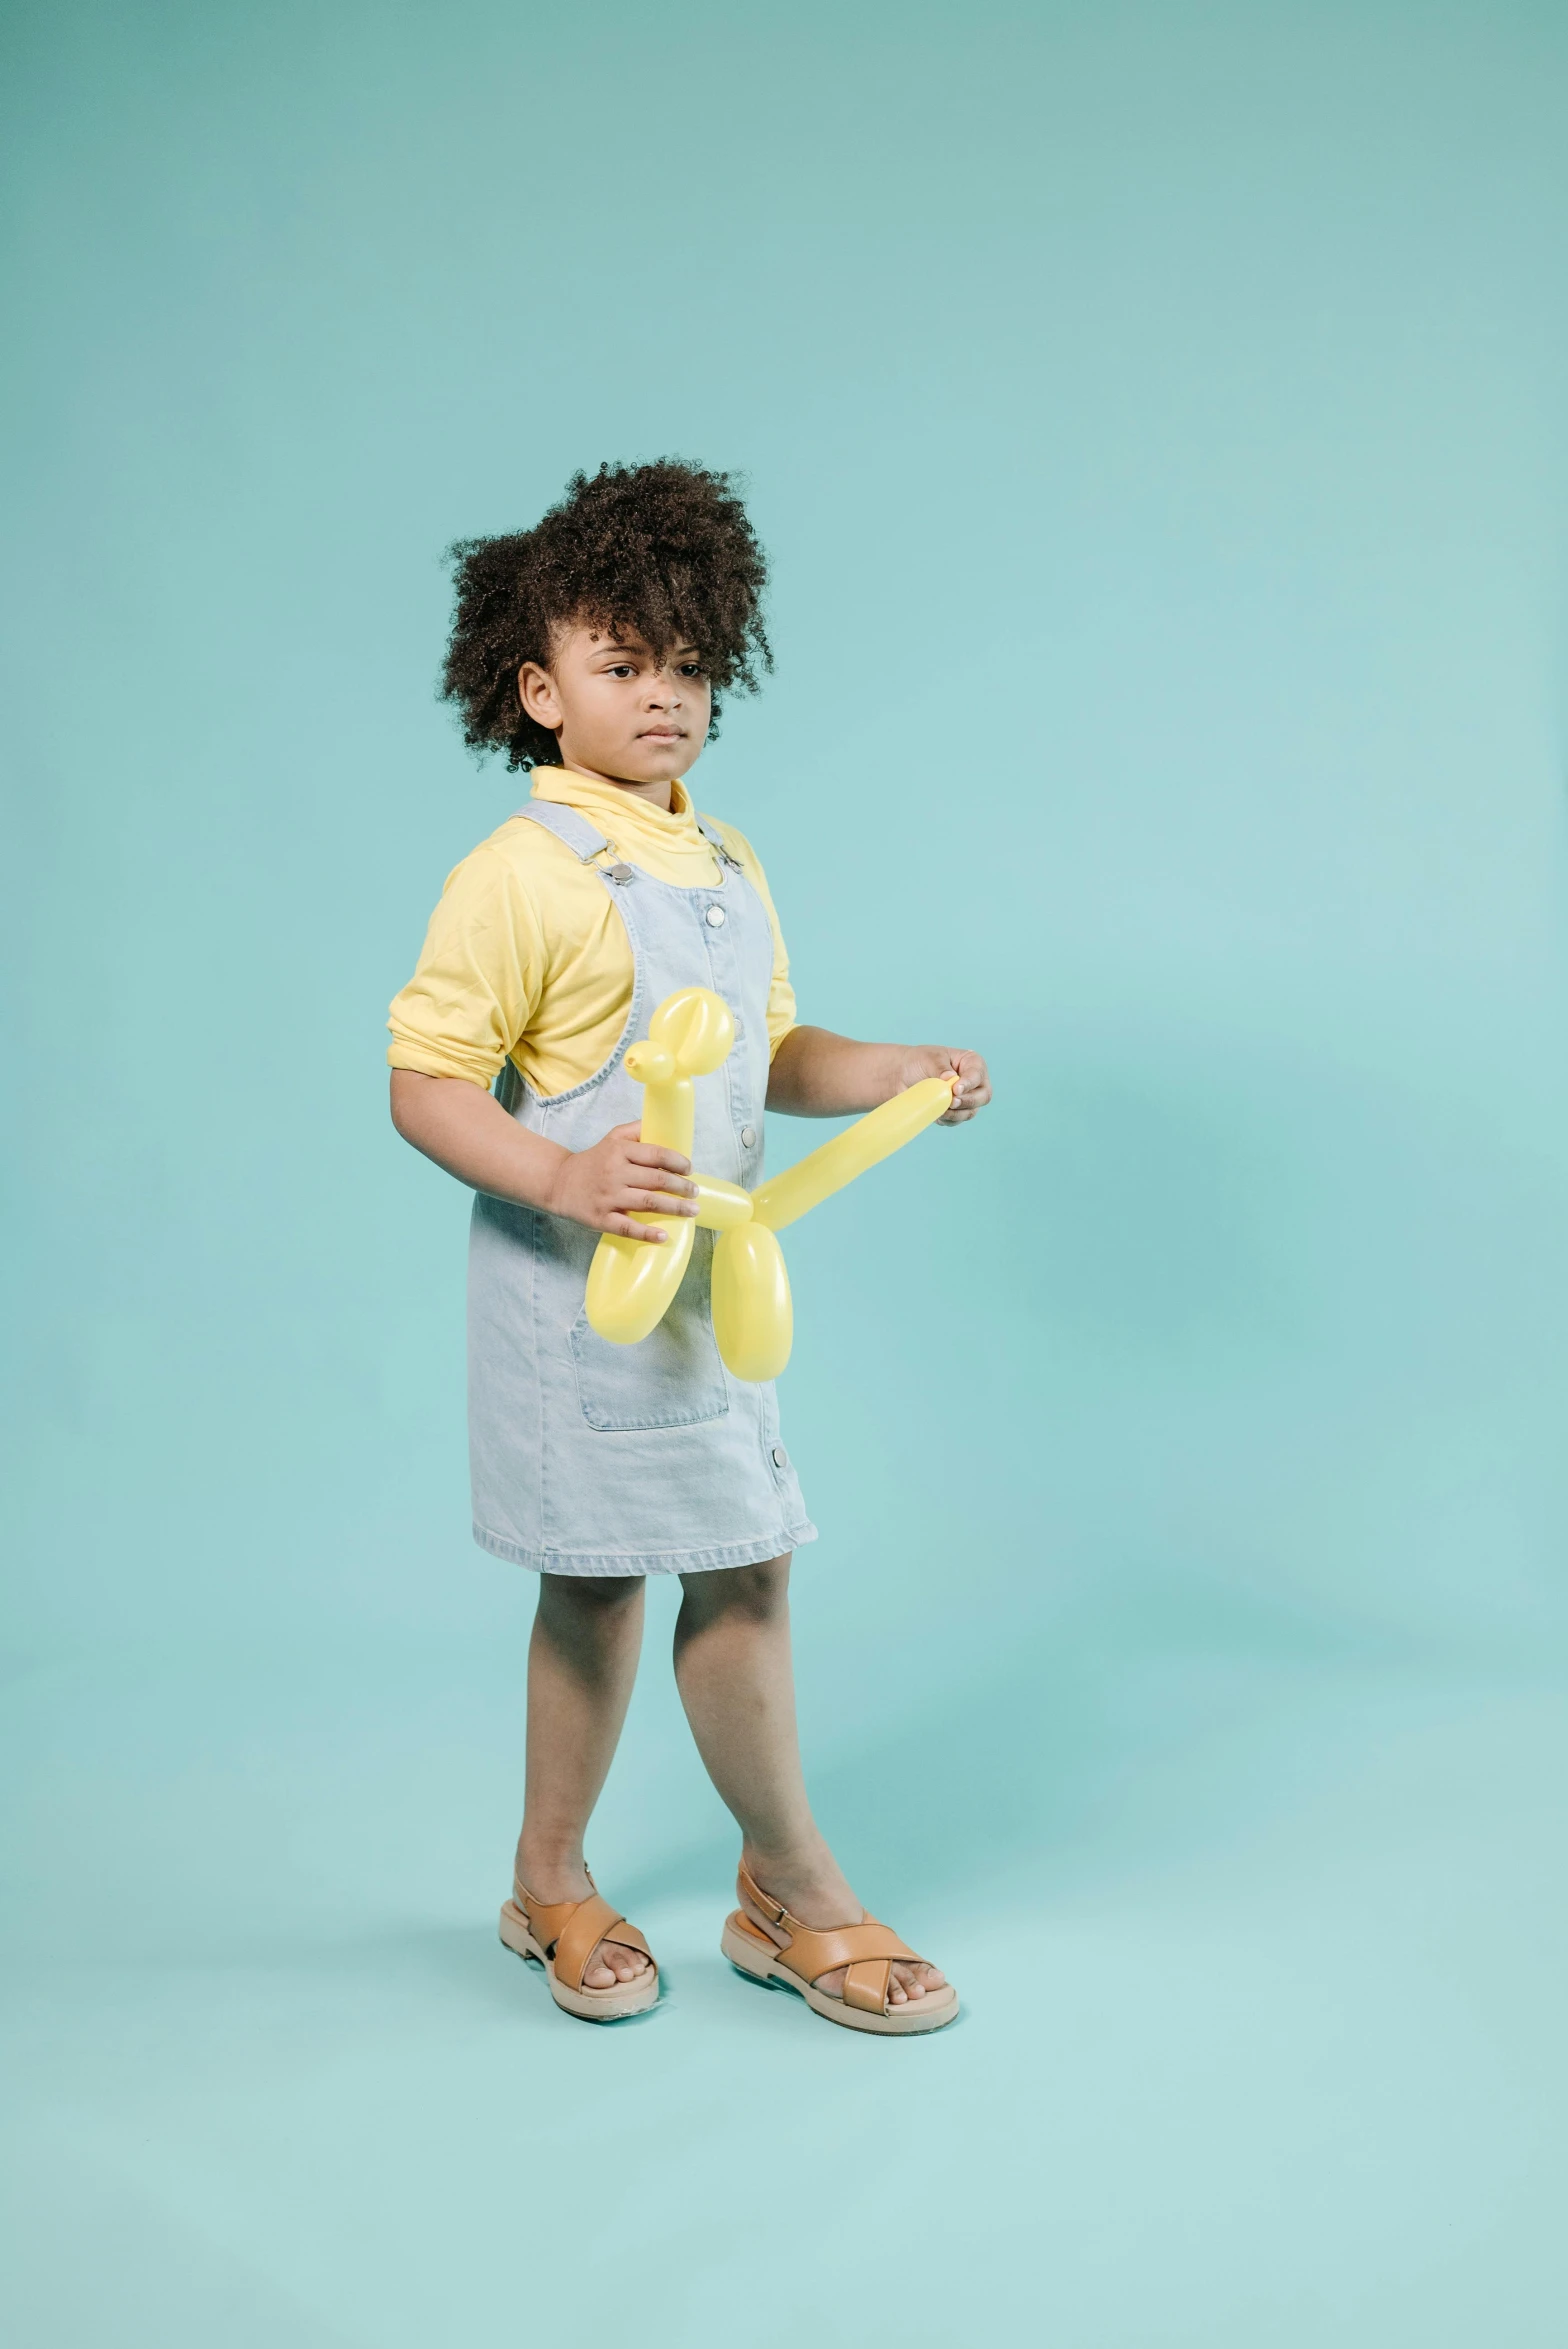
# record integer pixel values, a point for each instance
(522, 1895)
(749, 1889)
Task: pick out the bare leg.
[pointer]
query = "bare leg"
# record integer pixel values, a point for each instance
(582, 1660)
(737, 1683)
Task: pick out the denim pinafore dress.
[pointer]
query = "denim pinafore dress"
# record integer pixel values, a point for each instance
(589, 1458)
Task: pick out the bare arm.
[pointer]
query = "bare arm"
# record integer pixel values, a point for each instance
(472, 1136)
(818, 1074)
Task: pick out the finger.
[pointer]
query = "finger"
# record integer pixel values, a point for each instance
(969, 1094)
(651, 1154)
(656, 1203)
(624, 1229)
(643, 1170)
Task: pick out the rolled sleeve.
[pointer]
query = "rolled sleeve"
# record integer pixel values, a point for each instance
(478, 979)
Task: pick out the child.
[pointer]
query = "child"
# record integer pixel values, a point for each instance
(593, 649)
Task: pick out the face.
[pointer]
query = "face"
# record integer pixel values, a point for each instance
(622, 712)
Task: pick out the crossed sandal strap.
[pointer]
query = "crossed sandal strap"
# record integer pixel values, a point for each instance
(575, 1928)
(868, 1950)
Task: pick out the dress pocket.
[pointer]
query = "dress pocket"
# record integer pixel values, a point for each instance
(671, 1378)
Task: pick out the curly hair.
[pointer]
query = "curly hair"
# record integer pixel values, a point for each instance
(664, 549)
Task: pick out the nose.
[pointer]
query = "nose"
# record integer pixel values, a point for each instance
(664, 690)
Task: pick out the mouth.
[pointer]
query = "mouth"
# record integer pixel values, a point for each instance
(662, 734)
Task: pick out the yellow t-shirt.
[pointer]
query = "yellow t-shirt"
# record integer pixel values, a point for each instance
(526, 958)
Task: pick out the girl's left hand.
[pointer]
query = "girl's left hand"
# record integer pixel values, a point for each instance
(973, 1089)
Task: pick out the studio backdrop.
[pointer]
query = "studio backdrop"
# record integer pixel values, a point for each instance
(1154, 418)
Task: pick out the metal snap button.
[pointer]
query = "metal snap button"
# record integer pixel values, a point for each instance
(715, 917)
(780, 1456)
(748, 1135)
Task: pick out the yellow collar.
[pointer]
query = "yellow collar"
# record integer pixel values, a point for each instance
(626, 811)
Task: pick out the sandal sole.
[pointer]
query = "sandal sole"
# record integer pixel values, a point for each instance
(930, 2013)
(588, 2006)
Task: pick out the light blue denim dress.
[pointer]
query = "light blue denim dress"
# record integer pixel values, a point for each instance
(589, 1458)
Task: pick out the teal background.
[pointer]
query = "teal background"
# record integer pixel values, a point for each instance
(1155, 416)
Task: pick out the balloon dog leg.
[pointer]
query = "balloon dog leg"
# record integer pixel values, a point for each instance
(753, 1319)
(630, 1283)
(864, 1144)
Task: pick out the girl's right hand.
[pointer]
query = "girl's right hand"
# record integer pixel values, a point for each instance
(602, 1187)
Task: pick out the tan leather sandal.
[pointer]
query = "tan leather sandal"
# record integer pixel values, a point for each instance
(868, 1950)
(563, 1935)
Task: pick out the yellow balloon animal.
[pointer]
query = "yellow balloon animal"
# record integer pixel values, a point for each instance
(631, 1285)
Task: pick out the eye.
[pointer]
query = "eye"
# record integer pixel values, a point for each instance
(620, 669)
(691, 669)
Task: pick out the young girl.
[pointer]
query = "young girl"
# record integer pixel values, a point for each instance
(592, 649)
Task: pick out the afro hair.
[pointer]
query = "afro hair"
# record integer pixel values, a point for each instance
(663, 550)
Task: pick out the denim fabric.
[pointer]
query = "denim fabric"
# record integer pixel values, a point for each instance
(589, 1458)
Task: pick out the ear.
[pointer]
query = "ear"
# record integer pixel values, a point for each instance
(536, 691)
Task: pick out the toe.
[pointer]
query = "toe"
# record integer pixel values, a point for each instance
(915, 1981)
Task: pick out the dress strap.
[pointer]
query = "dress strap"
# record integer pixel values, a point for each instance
(715, 839)
(568, 826)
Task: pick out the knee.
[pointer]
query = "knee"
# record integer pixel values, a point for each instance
(754, 1594)
(589, 1600)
